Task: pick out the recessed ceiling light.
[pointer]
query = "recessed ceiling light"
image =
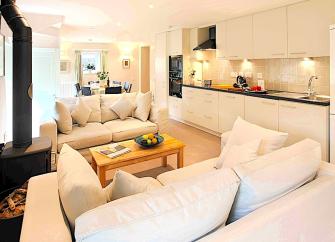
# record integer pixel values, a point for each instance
(151, 6)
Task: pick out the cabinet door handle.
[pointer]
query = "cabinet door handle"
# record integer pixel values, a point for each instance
(268, 103)
(190, 112)
(298, 53)
(288, 106)
(208, 101)
(207, 117)
(233, 56)
(231, 97)
(276, 54)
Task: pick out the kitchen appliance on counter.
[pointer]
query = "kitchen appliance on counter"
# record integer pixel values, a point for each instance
(241, 82)
(332, 94)
(175, 75)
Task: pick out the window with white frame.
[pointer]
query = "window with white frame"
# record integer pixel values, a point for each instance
(91, 61)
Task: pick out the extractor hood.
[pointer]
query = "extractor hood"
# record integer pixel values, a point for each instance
(209, 44)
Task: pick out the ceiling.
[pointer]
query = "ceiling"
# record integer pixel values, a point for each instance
(138, 20)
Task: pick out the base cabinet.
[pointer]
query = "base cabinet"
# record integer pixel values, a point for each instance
(231, 106)
(175, 108)
(303, 121)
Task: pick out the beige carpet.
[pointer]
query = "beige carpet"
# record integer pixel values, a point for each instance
(199, 146)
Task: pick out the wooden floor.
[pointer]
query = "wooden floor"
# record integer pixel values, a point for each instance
(199, 146)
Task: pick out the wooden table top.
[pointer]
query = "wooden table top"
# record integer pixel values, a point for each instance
(137, 151)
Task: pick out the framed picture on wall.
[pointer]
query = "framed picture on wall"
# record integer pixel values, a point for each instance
(65, 66)
(2, 55)
(126, 63)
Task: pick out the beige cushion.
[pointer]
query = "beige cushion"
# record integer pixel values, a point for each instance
(79, 187)
(274, 175)
(93, 134)
(129, 128)
(123, 107)
(125, 184)
(92, 101)
(81, 112)
(183, 211)
(44, 220)
(187, 172)
(237, 154)
(63, 118)
(143, 106)
(107, 100)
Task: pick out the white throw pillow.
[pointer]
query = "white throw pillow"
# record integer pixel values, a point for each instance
(123, 107)
(79, 187)
(237, 154)
(143, 103)
(125, 184)
(81, 112)
(274, 175)
(244, 132)
(183, 211)
(63, 118)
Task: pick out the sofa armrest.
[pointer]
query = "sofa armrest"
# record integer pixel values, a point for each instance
(224, 138)
(159, 116)
(326, 169)
(49, 129)
(44, 219)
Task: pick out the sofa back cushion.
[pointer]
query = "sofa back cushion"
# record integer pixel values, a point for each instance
(93, 102)
(63, 118)
(143, 106)
(183, 211)
(107, 100)
(274, 175)
(79, 187)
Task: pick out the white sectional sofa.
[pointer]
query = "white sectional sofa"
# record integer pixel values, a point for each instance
(104, 125)
(305, 214)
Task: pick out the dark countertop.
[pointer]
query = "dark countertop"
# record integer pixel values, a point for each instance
(271, 94)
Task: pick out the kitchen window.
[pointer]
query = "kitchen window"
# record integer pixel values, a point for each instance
(91, 62)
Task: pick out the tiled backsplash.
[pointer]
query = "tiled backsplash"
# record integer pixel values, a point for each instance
(279, 74)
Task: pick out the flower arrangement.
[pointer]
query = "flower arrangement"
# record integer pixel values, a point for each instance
(102, 75)
(192, 74)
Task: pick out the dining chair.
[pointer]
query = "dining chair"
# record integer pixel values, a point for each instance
(127, 86)
(86, 91)
(113, 90)
(78, 89)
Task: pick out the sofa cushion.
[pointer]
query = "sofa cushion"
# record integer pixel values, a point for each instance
(129, 128)
(125, 184)
(81, 112)
(92, 101)
(79, 187)
(187, 172)
(123, 107)
(63, 118)
(181, 211)
(108, 100)
(93, 134)
(274, 175)
(143, 106)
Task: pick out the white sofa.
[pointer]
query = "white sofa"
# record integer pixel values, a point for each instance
(306, 214)
(106, 127)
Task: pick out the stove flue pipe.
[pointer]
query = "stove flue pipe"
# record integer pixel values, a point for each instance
(22, 73)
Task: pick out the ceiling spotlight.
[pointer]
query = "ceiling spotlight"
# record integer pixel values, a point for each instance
(151, 6)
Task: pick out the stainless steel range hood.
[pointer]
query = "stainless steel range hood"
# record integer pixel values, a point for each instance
(209, 44)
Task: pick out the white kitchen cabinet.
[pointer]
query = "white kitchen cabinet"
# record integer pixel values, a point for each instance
(262, 111)
(178, 42)
(231, 106)
(175, 108)
(303, 121)
(308, 28)
(239, 39)
(221, 40)
(270, 34)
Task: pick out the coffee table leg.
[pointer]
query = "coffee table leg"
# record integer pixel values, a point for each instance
(164, 161)
(102, 176)
(180, 158)
(94, 165)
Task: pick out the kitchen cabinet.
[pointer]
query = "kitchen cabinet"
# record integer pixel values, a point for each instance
(270, 34)
(221, 40)
(308, 28)
(200, 107)
(239, 39)
(261, 111)
(175, 108)
(178, 42)
(231, 106)
(303, 121)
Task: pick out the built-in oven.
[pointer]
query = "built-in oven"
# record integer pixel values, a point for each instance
(175, 75)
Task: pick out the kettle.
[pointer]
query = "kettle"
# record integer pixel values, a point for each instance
(241, 82)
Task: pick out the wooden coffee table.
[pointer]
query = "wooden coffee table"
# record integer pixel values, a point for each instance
(101, 164)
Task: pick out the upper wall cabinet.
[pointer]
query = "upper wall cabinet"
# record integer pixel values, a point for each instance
(221, 40)
(270, 34)
(178, 42)
(308, 28)
(239, 39)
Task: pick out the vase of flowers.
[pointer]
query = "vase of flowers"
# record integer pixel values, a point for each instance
(102, 76)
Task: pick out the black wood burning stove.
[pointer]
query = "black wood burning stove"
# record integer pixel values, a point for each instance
(24, 157)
